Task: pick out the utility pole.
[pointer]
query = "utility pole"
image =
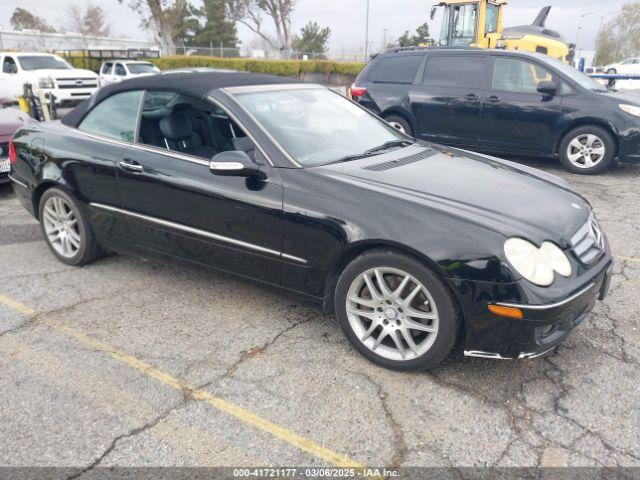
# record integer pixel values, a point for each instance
(384, 47)
(366, 37)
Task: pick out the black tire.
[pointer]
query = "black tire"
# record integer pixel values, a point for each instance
(449, 321)
(604, 137)
(400, 123)
(89, 250)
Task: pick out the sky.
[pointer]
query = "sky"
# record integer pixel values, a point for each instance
(346, 18)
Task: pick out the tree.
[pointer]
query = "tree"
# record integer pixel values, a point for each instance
(620, 38)
(218, 28)
(249, 13)
(312, 39)
(154, 15)
(421, 37)
(91, 21)
(25, 20)
(183, 21)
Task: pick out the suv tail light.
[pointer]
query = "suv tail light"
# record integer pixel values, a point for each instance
(357, 92)
(12, 152)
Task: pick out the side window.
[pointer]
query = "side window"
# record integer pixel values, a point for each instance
(116, 117)
(518, 76)
(189, 125)
(106, 68)
(120, 70)
(9, 65)
(398, 69)
(491, 19)
(454, 71)
(464, 24)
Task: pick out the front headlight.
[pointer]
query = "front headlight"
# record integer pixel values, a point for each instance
(538, 265)
(630, 109)
(45, 82)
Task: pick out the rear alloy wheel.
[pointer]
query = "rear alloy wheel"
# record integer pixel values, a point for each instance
(66, 228)
(396, 311)
(587, 150)
(400, 124)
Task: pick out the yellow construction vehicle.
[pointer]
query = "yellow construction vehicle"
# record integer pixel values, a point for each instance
(478, 23)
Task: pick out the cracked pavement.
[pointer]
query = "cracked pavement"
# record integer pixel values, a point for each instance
(64, 404)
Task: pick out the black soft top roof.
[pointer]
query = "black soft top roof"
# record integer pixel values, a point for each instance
(198, 84)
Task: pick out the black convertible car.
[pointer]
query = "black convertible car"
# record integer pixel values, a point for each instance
(413, 245)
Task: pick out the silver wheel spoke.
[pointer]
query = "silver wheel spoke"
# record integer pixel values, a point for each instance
(369, 332)
(379, 340)
(395, 336)
(574, 157)
(407, 301)
(413, 313)
(590, 140)
(363, 301)
(409, 339)
(398, 291)
(575, 143)
(382, 284)
(372, 289)
(371, 315)
(412, 325)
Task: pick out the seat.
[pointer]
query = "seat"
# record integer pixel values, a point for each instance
(178, 133)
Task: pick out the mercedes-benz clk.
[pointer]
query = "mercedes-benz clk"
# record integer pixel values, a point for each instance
(414, 246)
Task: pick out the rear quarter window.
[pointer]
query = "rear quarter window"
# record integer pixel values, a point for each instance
(397, 69)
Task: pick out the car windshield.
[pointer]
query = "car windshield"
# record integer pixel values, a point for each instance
(136, 68)
(318, 126)
(42, 62)
(576, 75)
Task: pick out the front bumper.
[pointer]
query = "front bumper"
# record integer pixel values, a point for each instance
(69, 95)
(542, 327)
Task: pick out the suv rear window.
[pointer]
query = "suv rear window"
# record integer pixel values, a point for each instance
(398, 69)
(454, 71)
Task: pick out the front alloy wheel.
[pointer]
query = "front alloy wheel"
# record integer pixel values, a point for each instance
(396, 311)
(586, 151)
(392, 313)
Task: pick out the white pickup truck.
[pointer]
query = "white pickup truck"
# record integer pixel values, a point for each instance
(115, 71)
(46, 72)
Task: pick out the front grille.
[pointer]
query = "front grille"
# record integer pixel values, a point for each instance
(64, 83)
(379, 167)
(588, 242)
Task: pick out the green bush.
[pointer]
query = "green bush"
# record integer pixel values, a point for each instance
(285, 68)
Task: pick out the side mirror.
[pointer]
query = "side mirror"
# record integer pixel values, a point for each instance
(235, 164)
(548, 89)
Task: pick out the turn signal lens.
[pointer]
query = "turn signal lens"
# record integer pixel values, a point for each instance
(12, 152)
(508, 312)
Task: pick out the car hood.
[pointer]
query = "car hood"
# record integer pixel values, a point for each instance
(507, 198)
(59, 73)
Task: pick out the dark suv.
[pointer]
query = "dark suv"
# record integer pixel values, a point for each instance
(499, 101)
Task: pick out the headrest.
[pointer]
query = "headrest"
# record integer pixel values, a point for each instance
(176, 127)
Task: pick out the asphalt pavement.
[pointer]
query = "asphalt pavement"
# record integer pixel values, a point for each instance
(129, 362)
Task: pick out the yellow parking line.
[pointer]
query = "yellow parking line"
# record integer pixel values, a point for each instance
(630, 260)
(236, 411)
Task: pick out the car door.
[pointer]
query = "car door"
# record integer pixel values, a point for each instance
(447, 106)
(10, 84)
(176, 206)
(105, 73)
(515, 116)
(101, 137)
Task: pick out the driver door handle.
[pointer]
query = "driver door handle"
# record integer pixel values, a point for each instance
(472, 97)
(131, 166)
(492, 99)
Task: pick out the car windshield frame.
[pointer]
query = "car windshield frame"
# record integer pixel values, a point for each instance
(395, 136)
(59, 64)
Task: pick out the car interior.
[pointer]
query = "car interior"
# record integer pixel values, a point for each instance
(190, 125)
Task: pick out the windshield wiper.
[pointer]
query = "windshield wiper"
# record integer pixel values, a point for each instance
(373, 151)
(387, 146)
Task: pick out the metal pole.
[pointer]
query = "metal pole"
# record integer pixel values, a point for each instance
(366, 37)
